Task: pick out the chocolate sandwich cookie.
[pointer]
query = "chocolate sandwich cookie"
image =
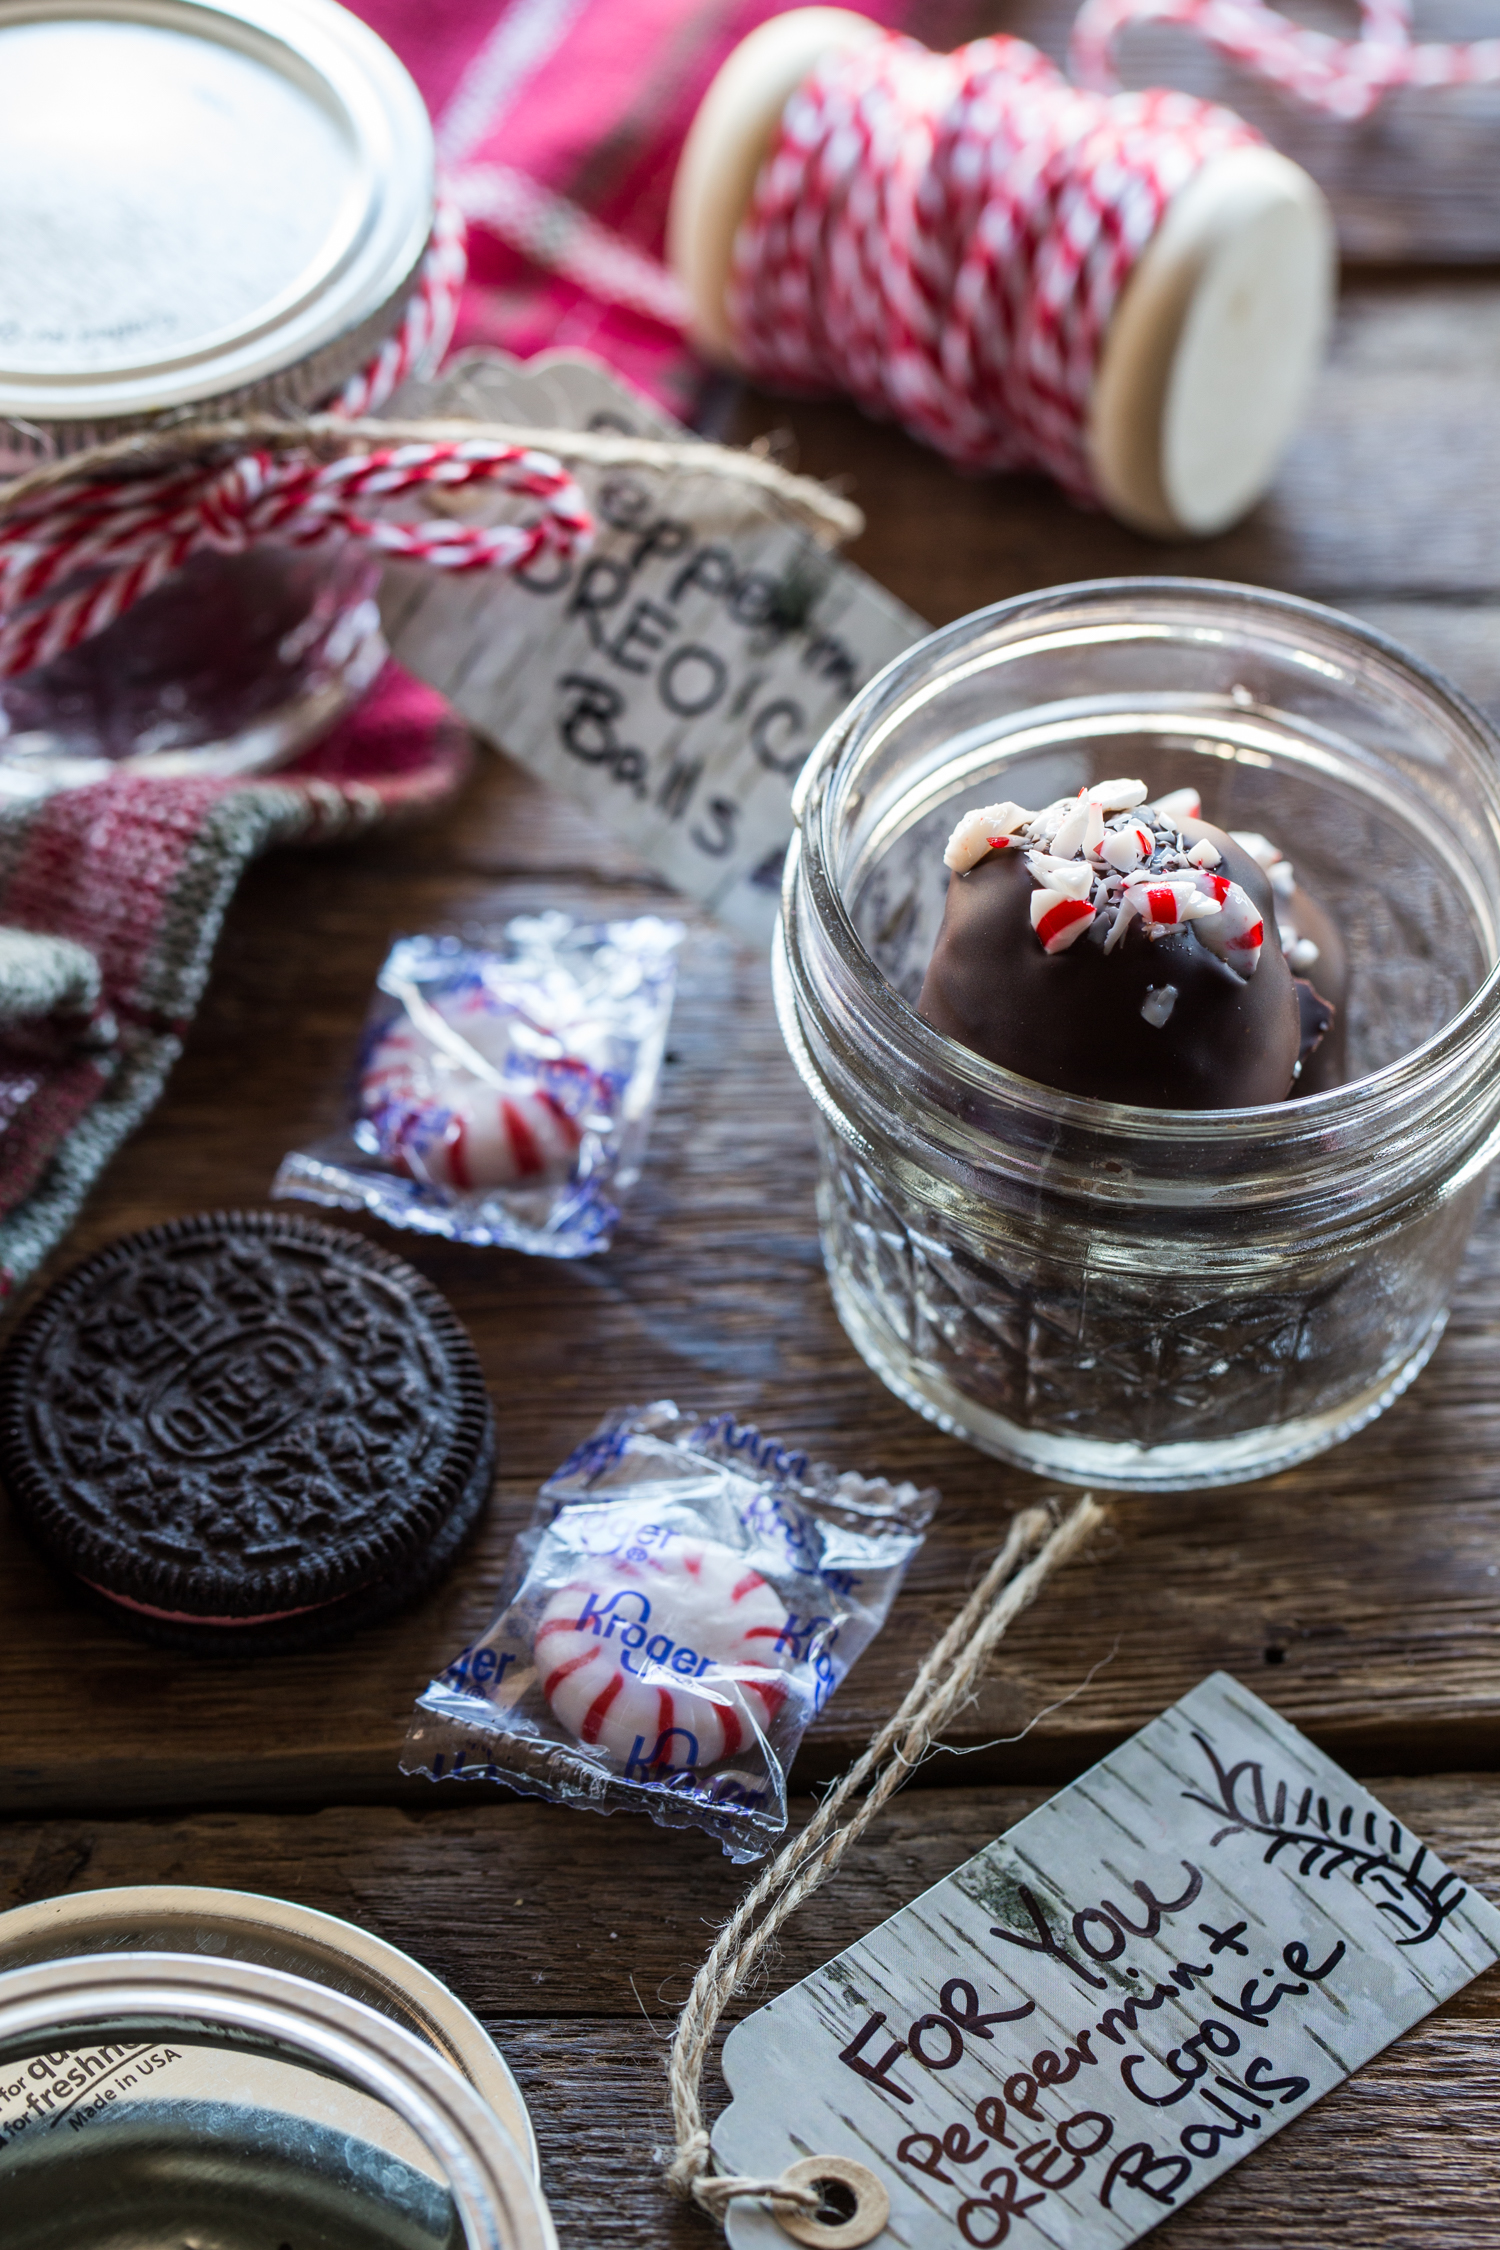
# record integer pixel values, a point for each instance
(245, 1434)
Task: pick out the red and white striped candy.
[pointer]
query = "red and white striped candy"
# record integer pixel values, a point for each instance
(1167, 904)
(1177, 806)
(1236, 933)
(1073, 877)
(1081, 831)
(1059, 919)
(458, 1129)
(1118, 796)
(670, 1661)
(1125, 848)
(988, 828)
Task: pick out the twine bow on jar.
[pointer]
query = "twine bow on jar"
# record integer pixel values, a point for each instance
(85, 537)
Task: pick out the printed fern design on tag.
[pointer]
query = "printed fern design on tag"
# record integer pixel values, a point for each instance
(1328, 1844)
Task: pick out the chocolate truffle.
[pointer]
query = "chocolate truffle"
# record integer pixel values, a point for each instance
(1311, 941)
(1119, 949)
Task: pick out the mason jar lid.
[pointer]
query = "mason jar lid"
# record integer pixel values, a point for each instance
(214, 206)
(281, 1936)
(444, 2171)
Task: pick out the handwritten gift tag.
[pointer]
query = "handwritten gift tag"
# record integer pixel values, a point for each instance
(1097, 2015)
(674, 680)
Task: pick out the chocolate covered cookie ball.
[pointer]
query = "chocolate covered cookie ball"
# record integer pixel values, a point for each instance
(1112, 947)
(1314, 948)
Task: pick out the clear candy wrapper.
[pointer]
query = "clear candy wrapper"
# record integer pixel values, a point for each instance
(685, 1600)
(504, 1088)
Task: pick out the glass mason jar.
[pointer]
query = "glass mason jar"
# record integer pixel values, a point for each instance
(371, 2140)
(205, 210)
(1133, 1297)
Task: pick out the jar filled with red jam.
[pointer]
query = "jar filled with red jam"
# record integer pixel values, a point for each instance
(204, 211)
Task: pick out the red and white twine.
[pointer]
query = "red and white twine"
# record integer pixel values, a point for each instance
(1342, 77)
(417, 346)
(945, 238)
(122, 539)
(77, 556)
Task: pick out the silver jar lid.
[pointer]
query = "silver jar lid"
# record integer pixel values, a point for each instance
(275, 1934)
(209, 206)
(244, 2171)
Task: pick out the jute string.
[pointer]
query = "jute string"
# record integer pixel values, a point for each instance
(827, 515)
(947, 1678)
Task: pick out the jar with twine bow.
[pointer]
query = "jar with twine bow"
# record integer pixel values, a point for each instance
(209, 214)
(225, 254)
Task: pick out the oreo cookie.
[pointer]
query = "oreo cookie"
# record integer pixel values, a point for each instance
(245, 1434)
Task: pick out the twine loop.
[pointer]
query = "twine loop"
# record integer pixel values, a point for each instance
(946, 1679)
(1344, 78)
(73, 561)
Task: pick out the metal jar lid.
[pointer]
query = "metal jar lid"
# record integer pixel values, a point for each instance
(207, 206)
(278, 1935)
(247, 2174)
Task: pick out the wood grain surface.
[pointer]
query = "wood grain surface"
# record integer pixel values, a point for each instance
(575, 1940)
(1360, 1594)
(1417, 179)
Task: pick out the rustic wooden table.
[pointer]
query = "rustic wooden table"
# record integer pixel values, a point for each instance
(1361, 1594)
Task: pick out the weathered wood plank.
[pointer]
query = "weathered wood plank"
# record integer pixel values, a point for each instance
(573, 1940)
(1419, 179)
(1366, 1576)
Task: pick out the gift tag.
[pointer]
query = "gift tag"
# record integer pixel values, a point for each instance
(676, 678)
(1101, 2012)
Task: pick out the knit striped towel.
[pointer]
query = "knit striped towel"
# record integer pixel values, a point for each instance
(111, 899)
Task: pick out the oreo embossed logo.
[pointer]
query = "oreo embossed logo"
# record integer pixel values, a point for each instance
(245, 1433)
(238, 1395)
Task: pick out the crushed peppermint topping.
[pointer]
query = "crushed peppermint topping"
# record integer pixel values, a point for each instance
(1158, 1004)
(989, 829)
(1107, 857)
(1058, 919)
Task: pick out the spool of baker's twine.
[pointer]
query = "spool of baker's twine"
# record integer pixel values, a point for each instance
(1130, 292)
(946, 1680)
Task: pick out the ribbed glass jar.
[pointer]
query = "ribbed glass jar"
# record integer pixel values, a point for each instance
(1134, 1297)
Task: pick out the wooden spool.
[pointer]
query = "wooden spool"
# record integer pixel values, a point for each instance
(1213, 346)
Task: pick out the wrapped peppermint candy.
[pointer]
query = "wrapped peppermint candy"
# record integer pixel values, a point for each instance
(686, 1599)
(503, 1092)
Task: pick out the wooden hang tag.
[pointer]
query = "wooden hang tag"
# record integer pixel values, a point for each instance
(675, 679)
(1101, 2012)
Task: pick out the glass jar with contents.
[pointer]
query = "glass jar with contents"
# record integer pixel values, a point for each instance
(1104, 1291)
(205, 211)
